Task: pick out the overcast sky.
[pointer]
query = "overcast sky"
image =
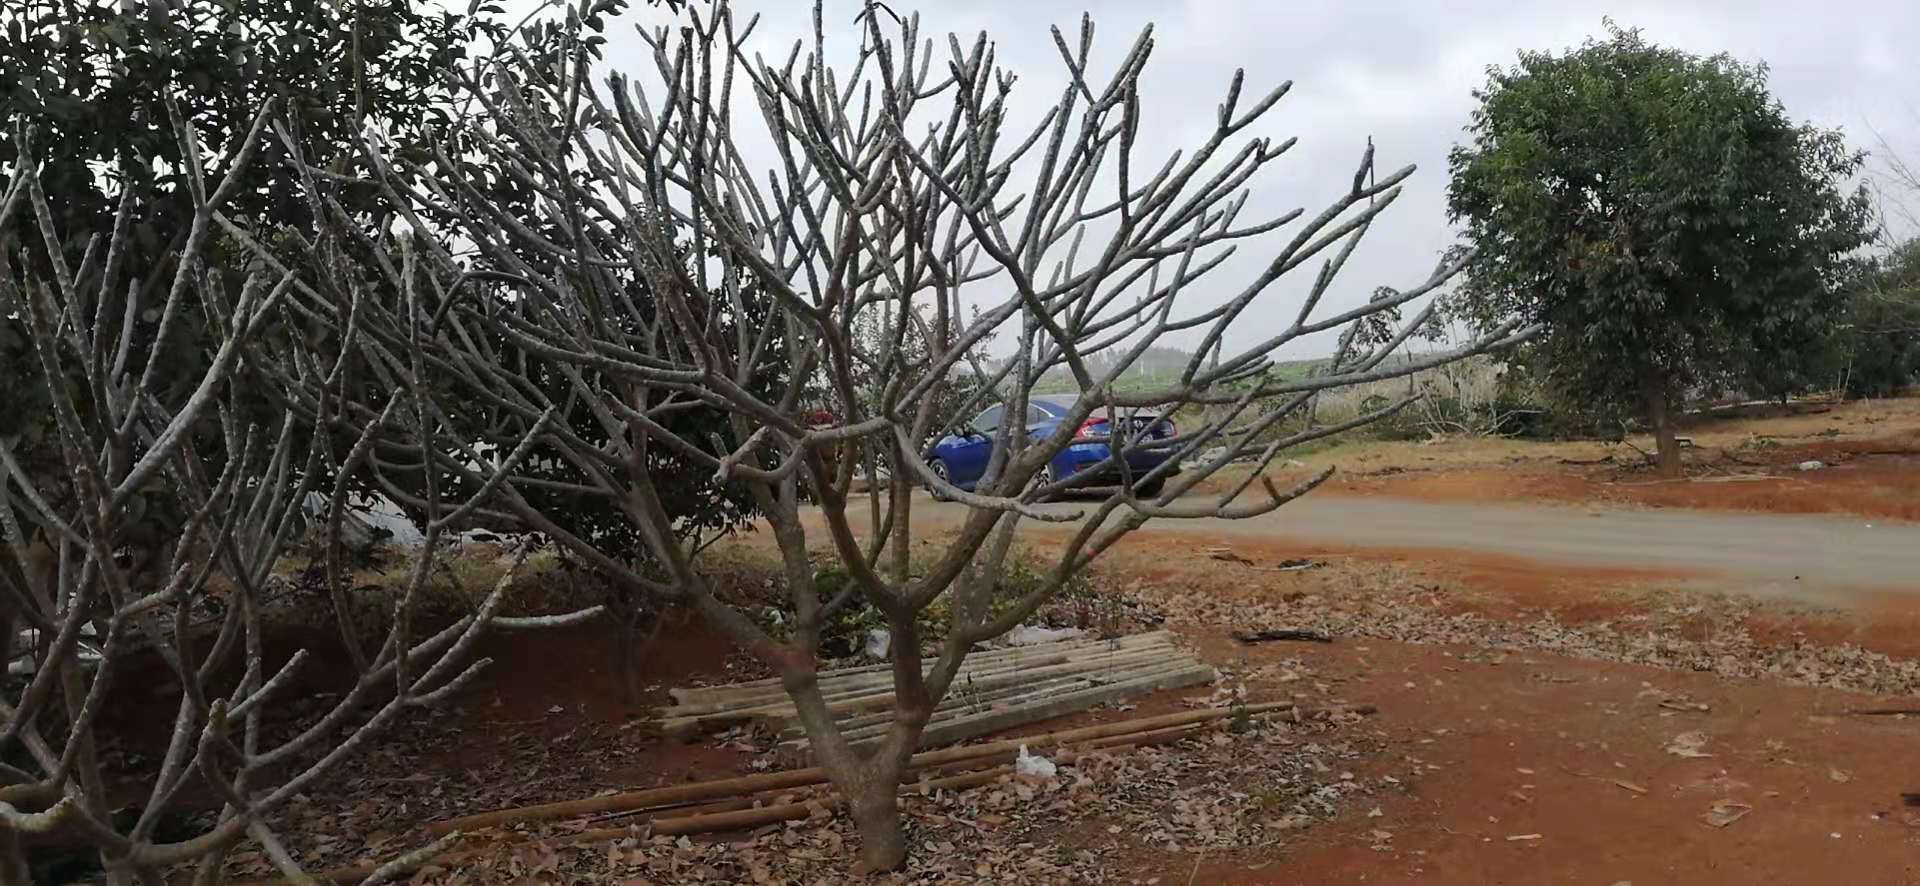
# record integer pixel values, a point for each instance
(1402, 73)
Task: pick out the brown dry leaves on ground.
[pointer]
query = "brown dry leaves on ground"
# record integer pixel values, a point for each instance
(1067, 829)
(1283, 777)
(370, 810)
(1689, 631)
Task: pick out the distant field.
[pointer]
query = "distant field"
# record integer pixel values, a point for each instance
(1166, 373)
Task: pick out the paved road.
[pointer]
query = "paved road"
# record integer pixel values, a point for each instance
(1795, 555)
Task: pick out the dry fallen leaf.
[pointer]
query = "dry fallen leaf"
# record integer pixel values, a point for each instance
(1726, 812)
(1630, 786)
(1688, 744)
(1683, 704)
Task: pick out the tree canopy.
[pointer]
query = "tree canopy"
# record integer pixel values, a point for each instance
(95, 83)
(1880, 343)
(95, 78)
(1658, 213)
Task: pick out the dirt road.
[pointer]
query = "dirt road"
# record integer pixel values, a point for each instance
(1809, 556)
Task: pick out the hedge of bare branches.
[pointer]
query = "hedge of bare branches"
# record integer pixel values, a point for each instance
(664, 271)
(171, 501)
(831, 302)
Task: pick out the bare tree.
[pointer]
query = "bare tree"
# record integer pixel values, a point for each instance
(97, 585)
(663, 273)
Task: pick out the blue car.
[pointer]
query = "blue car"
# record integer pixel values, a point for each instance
(961, 458)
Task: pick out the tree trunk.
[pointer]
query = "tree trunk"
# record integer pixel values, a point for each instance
(873, 797)
(875, 805)
(1653, 395)
(13, 860)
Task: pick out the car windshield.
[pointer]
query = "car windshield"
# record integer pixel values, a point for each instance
(988, 421)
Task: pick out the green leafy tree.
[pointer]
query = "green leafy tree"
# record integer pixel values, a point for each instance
(1658, 213)
(1880, 340)
(94, 79)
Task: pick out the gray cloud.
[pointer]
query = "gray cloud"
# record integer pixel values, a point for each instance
(1401, 73)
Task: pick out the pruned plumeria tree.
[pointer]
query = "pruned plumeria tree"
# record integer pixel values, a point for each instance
(93, 587)
(665, 271)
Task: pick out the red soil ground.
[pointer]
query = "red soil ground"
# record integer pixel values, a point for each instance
(1870, 453)
(1511, 746)
(1508, 746)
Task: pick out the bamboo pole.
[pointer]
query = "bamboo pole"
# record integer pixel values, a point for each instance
(879, 697)
(998, 691)
(696, 694)
(681, 720)
(840, 684)
(962, 728)
(698, 820)
(1118, 742)
(835, 690)
(995, 679)
(1010, 711)
(692, 792)
(949, 707)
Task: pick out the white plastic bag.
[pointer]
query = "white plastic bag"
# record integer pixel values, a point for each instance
(879, 640)
(1033, 766)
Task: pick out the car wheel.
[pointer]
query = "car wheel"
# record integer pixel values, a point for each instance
(939, 469)
(1044, 477)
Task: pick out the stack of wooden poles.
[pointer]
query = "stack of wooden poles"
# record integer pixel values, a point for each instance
(994, 690)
